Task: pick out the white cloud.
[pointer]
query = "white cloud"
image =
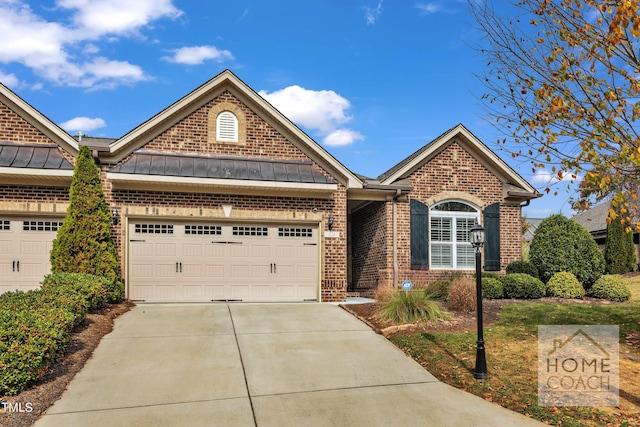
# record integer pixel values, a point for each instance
(436, 7)
(547, 177)
(195, 55)
(342, 137)
(94, 18)
(52, 49)
(323, 111)
(82, 124)
(9, 80)
(373, 13)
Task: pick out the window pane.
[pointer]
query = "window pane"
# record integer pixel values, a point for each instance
(463, 225)
(441, 229)
(441, 255)
(454, 207)
(465, 256)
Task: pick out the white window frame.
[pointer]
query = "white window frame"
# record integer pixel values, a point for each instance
(456, 247)
(227, 127)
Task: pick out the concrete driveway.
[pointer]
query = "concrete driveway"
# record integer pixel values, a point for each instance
(259, 365)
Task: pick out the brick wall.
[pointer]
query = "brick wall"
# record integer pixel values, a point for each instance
(195, 134)
(452, 174)
(369, 246)
(15, 128)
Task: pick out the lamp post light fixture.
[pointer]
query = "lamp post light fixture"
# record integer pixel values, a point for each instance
(115, 216)
(476, 238)
(330, 222)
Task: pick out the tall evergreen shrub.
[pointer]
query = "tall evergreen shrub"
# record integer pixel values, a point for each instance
(619, 250)
(84, 243)
(561, 244)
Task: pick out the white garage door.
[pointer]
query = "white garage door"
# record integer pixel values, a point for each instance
(177, 262)
(24, 252)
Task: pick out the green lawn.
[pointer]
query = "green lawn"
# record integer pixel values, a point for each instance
(512, 360)
(634, 286)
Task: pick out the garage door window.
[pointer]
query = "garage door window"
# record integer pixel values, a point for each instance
(5, 225)
(41, 225)
(295, 232)
(204, 230)
(250, 231)
(154, 228)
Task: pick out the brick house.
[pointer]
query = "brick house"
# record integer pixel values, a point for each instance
(221, 197)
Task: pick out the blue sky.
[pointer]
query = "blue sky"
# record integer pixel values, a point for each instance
(370, 80)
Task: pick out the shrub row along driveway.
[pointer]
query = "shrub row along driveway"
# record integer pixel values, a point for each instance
(262, 365)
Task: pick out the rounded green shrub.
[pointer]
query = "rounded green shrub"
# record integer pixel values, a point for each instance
(438, 289)
(492, 288)
(521, 285)
(561, 244)
(525, 267)
(565, 285)
(611, 288)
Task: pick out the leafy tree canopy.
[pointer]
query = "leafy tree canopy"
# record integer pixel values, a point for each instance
(563, 85)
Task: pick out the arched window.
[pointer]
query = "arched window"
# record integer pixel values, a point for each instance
(227, 127)
(449, 225)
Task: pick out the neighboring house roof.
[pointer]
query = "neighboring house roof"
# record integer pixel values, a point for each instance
(38, 120)
(515, 187)
(594, 219)
(20, 163)
(32, 156)
(533, 226)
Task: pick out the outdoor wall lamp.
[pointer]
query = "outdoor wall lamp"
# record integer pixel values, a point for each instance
(115, 216)
(476, 238)
(330, 222)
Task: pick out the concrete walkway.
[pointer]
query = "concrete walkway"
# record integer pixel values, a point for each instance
(259, 365)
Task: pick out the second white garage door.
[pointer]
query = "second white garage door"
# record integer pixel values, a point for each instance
(183, 262)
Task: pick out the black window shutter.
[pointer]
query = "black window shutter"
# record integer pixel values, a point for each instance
(419, 235)
(492, 237)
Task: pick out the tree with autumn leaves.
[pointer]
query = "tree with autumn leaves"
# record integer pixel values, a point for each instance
(563, 85)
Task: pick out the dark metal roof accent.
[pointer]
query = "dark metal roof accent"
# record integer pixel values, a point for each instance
(191, 166)
(32, 156)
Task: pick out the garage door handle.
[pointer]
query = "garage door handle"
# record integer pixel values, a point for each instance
(176, 267)
(14, 266)
(180, 267)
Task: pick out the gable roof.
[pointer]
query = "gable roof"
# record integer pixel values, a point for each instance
(226, 80)
(38, 120)
(515, 185)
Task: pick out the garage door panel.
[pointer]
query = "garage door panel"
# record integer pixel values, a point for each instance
(165, 249)
(239, 251)
(227, 262)
(25, 246)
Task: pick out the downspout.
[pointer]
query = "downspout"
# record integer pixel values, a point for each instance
(395, 238)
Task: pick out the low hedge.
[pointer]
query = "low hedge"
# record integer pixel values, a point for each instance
(522, 267)
(492, 288)
(565, 285)
(611, 288)
(522, 286)
(36, 326)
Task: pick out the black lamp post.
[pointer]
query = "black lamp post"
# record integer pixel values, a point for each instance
(476, 237)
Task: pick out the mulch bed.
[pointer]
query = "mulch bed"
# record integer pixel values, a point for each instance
(458, 321)
(50, 387)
